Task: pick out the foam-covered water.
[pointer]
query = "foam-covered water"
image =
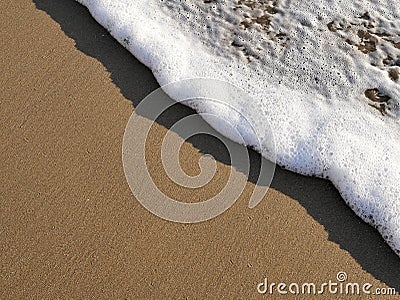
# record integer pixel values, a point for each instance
(323, 74)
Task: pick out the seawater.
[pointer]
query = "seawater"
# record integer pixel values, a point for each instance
(324, 75)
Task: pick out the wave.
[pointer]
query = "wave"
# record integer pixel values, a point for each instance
(323, 75)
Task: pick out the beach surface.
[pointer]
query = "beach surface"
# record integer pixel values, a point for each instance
(70, 225)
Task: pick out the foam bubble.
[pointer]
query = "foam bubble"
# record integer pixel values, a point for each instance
(323, 74)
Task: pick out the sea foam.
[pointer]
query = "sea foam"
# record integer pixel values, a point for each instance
(324, 75)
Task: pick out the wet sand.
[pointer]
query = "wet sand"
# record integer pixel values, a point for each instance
(70, 226)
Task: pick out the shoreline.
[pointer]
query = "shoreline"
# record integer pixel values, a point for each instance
(68, 213)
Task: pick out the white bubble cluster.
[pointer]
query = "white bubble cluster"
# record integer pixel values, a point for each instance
(323, 74)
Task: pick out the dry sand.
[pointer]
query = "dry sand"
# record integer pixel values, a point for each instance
(70, 226)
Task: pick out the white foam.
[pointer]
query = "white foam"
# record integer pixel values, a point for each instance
(306, 64)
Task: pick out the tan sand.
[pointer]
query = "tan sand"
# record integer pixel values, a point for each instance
(69, 224)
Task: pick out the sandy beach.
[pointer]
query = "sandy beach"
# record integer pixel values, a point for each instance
(70, 225)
